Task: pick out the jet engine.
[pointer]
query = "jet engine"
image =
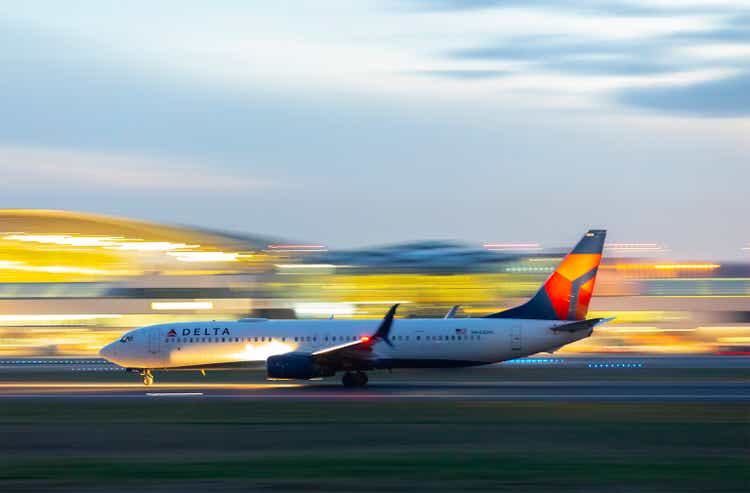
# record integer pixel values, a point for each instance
(295, 366)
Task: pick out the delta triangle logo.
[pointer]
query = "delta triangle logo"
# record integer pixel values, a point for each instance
(171, 333)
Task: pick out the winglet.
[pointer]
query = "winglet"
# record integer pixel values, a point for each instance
(452, 312)
(385, 326)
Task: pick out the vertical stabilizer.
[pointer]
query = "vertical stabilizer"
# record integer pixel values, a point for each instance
(567, 292)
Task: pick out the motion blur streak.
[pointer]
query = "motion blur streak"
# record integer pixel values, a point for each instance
(138, 386)
(70, 282)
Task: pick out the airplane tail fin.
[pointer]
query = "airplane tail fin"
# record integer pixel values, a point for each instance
(567, 292)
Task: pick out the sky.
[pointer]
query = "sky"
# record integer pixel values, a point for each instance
(356, 123)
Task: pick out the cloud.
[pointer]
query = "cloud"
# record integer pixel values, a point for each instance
(619, 7)
(727, 97)
(687, 53)
(551, 48)
(612, 66)
(735, 29)
(464, 74)
(93, 170)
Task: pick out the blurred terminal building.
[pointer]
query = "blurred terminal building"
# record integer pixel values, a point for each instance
(70, 282)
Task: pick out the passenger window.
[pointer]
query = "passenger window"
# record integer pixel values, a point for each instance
(417, 337)
(223, 340)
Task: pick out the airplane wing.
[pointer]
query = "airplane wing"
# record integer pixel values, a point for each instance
(359, 350)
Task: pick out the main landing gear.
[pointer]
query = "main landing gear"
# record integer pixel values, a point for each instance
(358, 379)
(148, 378)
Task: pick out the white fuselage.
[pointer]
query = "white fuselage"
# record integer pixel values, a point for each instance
(415, 342)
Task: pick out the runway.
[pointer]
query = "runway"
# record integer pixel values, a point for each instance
(627, 391)
(603, 378)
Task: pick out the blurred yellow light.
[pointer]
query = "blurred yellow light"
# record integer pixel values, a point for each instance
(182, 305)
(59, 269)
(639, 329)
(194, 256)
(735, 340)
(55, 318)
(687, 266)
(111, 242)
(307, 266)
(90, 241)
(152, 246)
(324, 308)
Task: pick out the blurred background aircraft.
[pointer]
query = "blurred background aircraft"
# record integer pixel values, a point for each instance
(69, 282)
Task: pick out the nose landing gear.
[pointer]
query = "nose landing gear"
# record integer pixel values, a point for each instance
(358, 379)
(148, 378)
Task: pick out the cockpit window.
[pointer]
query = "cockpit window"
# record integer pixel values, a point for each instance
(126, 339)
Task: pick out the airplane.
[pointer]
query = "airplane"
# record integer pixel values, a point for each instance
(312, 349)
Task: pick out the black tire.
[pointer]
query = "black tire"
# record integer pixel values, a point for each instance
(349, 380)
(361, 379)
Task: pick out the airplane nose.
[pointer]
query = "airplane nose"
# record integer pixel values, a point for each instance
(108, 352)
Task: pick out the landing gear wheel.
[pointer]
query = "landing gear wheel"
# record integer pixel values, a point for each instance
(358, 379)
(361, 378)
(349, 380)
(148, 378)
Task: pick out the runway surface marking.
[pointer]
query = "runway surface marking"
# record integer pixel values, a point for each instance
(136, 385)
(173, 394)
(453, 397)
(391, 391)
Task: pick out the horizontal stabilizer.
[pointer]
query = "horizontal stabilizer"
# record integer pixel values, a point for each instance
(581, 325)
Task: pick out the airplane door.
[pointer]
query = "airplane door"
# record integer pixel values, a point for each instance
(515, 337)
(153, 340)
